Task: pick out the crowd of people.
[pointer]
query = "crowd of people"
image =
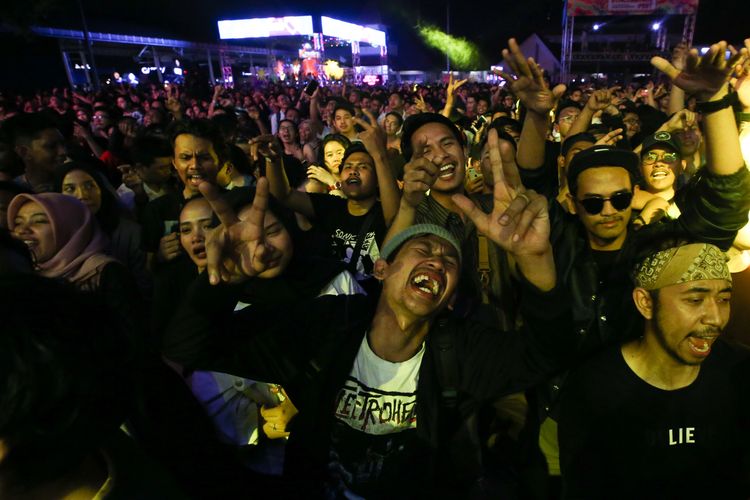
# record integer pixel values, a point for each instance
(454, 289)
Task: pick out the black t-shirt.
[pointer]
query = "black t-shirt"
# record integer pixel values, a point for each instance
(620, 437)
(333, 218)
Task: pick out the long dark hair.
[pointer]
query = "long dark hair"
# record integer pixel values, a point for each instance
(110, 211)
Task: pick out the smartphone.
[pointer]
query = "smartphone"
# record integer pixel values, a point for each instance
(171, 226)
(311, 87)
(473, 173)
(478, 123)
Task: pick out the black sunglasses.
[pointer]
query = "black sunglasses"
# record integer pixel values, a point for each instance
(595, 204)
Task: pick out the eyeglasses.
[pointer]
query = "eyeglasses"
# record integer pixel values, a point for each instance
(653, 157)
(568, 118)
(595, 204)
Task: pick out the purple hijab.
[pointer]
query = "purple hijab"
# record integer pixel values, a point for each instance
(79, 243)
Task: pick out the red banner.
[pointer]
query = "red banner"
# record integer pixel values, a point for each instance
(630, 7)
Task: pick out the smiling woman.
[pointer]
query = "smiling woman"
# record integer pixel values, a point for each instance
(62, 235)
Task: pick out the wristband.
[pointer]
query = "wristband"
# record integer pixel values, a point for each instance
(707, 107)
(334, 187)
(743, 117)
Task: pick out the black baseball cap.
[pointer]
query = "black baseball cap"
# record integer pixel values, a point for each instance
(567, 144)
(603, 156)
(660, 139)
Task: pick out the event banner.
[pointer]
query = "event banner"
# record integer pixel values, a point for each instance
(630, 7)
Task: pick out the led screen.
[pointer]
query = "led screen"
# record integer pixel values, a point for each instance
(264, 27)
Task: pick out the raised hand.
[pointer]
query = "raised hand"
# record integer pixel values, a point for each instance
(453, 85)
(419, 176)
(235, 250)
(519, 222)
(321, 175)
(601, 99)
(268, 146)
(420, 104)
(611, 138)
(372, 136)
(679, 55)
(682, 120)
(704, 76)
(741, 80)
(529, 84)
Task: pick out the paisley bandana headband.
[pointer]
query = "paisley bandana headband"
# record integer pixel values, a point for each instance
(697, 261)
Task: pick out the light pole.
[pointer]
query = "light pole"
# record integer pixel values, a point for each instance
(448, 31)
(89, 50)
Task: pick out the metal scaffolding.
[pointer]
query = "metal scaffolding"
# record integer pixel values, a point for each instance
(107, 43)
(661, 41)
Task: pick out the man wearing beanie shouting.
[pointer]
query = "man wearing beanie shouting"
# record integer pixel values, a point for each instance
(371, 395)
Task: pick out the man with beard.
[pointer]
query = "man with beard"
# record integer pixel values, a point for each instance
(658, 414)
(356, 225)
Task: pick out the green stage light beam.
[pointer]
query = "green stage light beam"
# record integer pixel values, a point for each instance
(462, 53)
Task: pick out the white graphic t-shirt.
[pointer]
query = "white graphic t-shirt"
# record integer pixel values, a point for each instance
(376, 419)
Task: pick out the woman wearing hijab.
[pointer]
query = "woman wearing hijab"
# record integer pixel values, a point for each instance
(63, 237)
(66, 243)
(65, 240)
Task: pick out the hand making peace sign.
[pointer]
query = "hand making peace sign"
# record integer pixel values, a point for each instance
(519, 222)
(235, 250)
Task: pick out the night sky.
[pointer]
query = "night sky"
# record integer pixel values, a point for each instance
(489, 27)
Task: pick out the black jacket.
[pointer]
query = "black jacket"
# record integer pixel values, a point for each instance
(713, 208)
(309, 347)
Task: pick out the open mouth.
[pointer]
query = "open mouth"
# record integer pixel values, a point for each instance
(700, 345)
(200, 251)
(353, 181)
(659, 174)
(30, 243)
(195, 179)
(427, 283)
(447, 171)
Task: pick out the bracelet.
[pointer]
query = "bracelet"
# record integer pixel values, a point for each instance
(707, 107)
(334, 187)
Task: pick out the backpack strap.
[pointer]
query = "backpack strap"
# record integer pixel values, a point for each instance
(366, 224)
(483, 267)
(447, 366)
